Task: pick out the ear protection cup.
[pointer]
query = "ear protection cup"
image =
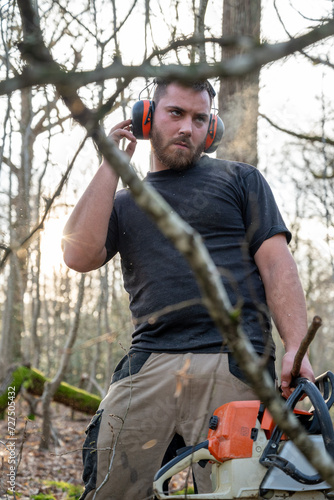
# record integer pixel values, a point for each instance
(142, 118)
(215, 134)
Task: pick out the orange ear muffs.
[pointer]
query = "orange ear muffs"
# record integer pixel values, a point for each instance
(142, 116)
(215, 134)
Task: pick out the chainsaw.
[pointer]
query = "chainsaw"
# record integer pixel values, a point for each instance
(252, 458)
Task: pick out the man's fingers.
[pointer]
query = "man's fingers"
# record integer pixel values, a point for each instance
(123, 131)
(119, 134)
(287, 363)
(123, 124)
(130, 149)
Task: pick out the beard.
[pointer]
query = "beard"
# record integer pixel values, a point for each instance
(175, 159)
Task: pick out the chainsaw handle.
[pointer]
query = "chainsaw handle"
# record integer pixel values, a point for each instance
(322, 416)
(320, 409)
(192, 455)
(321, 395)
(325, 384)
(291, 470)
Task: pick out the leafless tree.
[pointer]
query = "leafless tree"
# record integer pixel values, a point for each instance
(38, 67)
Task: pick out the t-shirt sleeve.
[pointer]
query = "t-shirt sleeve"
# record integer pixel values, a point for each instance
(112, 236)
(262, 217)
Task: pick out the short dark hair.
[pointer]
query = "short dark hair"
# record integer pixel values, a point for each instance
(161, 85)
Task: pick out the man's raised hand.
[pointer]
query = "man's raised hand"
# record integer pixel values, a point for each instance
(123, 131)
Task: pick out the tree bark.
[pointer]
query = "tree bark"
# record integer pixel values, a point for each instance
(239, 97)
(13, 324)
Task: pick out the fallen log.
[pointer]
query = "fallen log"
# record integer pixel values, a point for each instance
(33, 381)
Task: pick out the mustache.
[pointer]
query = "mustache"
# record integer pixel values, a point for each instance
(181, 139)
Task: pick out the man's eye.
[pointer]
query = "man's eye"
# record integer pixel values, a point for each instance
(175, 112)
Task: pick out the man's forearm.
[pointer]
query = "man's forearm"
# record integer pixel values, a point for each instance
(286, 301)
(86, 230)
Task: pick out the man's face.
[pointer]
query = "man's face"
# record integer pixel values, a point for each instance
(180, 126)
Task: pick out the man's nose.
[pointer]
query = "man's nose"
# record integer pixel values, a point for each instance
(186, 126)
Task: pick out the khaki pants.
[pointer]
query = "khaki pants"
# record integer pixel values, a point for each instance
(169, 393)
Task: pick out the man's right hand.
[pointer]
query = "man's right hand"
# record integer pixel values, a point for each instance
(123, 131)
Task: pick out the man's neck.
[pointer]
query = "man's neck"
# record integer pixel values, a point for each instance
(156, 165)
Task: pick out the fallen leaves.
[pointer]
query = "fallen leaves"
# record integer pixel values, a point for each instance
(38, 468)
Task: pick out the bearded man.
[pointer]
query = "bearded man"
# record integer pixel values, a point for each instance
(231, 205)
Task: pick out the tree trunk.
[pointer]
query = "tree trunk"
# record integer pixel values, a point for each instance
(51, 387)
(13, 324)
(239, 97)
(34, 381)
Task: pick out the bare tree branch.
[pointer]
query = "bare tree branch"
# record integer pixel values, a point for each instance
(305, 344)
(310, 138)
(199, 31)
(50, 73)
(316, 60)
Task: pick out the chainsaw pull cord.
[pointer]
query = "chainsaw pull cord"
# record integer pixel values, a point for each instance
(270, 458)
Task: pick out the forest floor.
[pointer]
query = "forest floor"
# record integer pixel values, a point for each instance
(54, 474)
(48, 474)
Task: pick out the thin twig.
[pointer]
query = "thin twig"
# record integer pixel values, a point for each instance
(305, 344)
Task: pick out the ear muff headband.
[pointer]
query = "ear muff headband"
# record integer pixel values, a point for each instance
(142, 118)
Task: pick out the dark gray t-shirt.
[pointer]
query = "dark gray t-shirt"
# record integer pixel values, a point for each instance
(232, 207)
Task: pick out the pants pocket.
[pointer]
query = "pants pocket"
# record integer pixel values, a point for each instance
(237, 372)
(131, 363)
(89, 454)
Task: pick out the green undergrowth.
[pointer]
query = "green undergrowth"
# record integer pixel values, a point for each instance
(43, 496)
(73, 491)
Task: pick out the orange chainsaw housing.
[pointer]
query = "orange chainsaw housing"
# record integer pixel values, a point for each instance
(232, 438)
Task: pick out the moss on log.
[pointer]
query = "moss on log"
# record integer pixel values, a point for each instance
(33, 380)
